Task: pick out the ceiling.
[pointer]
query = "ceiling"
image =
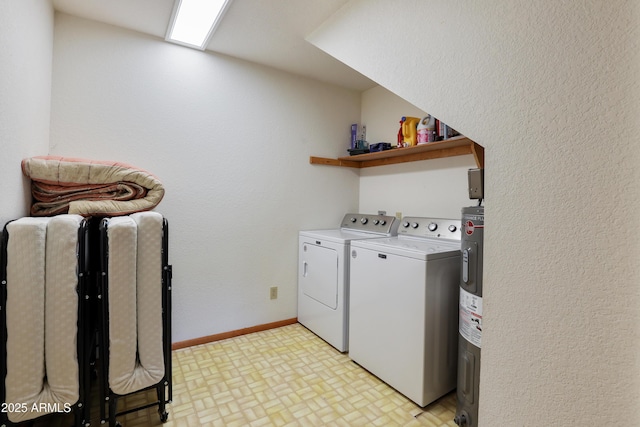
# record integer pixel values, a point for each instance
(268, 32)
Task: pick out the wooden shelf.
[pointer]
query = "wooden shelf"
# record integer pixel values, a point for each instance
(456, 146)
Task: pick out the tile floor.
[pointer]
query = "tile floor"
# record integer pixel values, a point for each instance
(280, 377)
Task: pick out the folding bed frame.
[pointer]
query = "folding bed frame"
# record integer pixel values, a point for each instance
(135, 289)
(45, 342)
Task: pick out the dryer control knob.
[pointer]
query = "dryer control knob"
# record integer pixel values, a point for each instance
(405, 224)
(383, 222)
(414, 225)
(353, 219)
(364, 220)
(433, 226)
(452, 228)
(376, 221)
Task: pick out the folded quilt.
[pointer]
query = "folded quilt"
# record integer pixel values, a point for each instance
(89, 187)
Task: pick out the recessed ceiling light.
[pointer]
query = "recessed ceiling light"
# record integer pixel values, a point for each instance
(193, 21)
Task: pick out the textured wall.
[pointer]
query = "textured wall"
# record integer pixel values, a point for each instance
(25, 96)
(551, 90)
(231, 142)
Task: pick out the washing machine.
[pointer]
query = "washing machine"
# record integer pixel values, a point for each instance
(323, 273)
(403, 319)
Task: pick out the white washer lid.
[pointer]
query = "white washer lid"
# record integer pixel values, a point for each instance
(418, 248)
(339, 235)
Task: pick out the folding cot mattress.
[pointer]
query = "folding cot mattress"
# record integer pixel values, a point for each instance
(43, 283)
(135, 313)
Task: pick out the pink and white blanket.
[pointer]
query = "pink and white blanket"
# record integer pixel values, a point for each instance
(89, 187)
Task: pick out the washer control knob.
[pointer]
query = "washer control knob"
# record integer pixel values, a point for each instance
(376, 221)
(414, 225)
(405, 224)
(452, 228)
(383, 222)
(353, 219)
(364, 220)
(433, 226)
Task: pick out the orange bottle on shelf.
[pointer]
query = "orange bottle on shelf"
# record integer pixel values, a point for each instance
(400, 135)
(409, 130)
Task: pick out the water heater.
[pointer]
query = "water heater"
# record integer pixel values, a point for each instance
(470, 308)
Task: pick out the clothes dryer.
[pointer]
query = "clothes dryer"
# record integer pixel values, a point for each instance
(403, 321)
(323, 274)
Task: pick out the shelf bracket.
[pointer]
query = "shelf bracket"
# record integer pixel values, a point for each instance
(478, 154)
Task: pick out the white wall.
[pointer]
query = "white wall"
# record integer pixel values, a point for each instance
(434, 188)
(231, 143)
(25, 96)
(552, 94)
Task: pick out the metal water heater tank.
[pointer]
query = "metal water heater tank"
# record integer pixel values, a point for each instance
(470, 317)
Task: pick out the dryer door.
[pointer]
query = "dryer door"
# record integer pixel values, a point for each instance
(319, 274)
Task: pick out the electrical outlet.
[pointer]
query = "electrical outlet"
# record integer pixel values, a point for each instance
(273, 292)
(399, 215)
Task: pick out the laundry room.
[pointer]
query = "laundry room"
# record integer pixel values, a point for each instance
(549, 93)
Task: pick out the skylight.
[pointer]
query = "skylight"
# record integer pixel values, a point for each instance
(193, 21)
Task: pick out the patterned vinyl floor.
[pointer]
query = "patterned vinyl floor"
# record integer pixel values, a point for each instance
(280, 377)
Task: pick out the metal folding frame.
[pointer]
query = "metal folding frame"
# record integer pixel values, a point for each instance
(85, 331)
(164, 388)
